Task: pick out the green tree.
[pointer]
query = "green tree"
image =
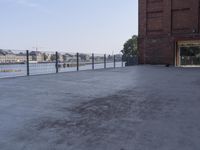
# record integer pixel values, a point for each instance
(45, 56)
(130, 47)
(53, 57)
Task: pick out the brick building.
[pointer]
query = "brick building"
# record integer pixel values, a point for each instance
(169, 32)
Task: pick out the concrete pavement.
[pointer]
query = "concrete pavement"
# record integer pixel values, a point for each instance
(133, 108)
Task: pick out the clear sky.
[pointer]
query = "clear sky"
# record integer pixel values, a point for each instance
(100, 26)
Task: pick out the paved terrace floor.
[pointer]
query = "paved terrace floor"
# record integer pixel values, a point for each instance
(134, 108)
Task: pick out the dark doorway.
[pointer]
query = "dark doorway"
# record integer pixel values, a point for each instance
(190, 55)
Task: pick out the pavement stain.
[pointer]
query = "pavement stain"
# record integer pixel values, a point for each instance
(89, 120)
(92, 112)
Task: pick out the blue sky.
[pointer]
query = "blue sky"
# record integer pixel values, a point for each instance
(100, 26)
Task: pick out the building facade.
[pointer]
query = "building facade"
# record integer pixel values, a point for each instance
(7, 56)
(169, 32)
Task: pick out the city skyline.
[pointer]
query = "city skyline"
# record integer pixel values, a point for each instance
(72, 26)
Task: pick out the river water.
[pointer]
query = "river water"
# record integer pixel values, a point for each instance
(36, 69)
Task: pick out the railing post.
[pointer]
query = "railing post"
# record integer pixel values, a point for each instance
(114, 62)
(56, 62)
(27, 63)
(122, 61)
(77, 61)
(92, 61)
(104, 61)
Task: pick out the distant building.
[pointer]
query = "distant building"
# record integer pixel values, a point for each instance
(47, 57)
(10, 57)
(169, 32)
(69, 57)
(7, 56)
(98, 58)
(37, 56)
(60, 57)
(21, 57)
(2, 56)
(84, 57)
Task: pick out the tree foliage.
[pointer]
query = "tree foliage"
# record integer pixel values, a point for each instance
(131, 47)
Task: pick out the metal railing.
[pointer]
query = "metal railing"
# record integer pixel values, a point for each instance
(26, 63)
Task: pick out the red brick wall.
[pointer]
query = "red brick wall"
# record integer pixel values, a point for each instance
(161, 23)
